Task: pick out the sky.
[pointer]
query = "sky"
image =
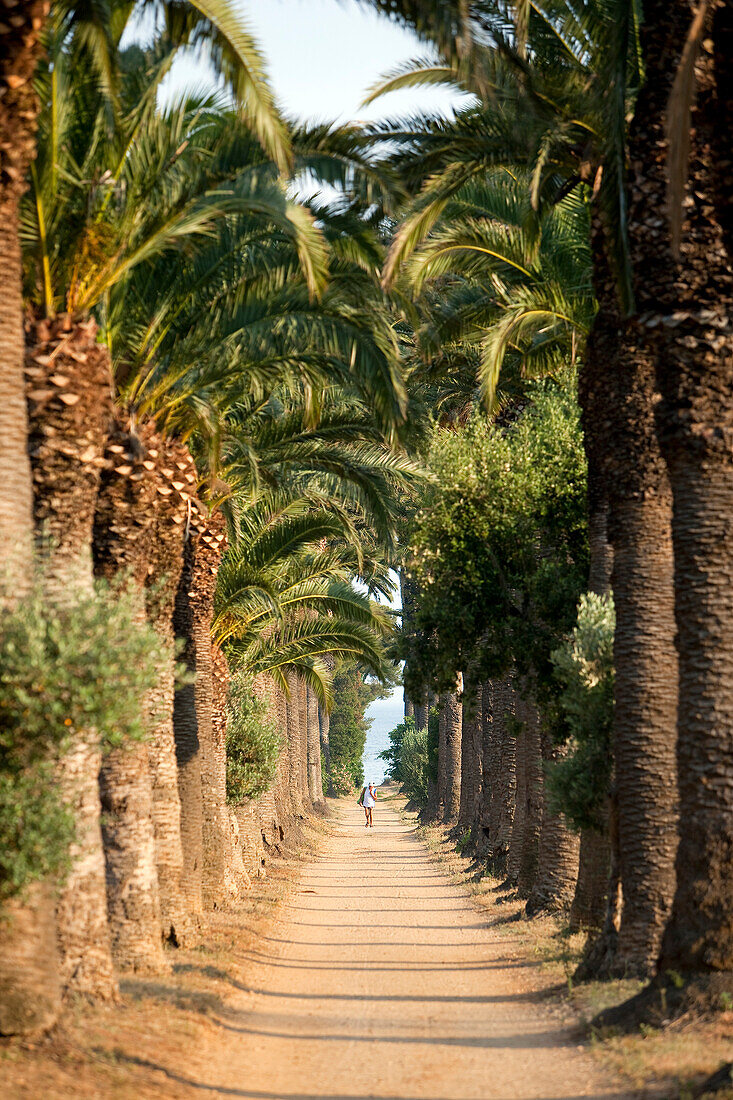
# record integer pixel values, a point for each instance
(322, 57)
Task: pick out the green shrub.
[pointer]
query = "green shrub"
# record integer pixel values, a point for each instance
(415, 765)
(393, 755)
(583, 665)
(253, 741)
(86, 665)
(412, 757)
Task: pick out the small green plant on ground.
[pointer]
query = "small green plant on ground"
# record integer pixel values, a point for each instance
(252, 741)
(84, 666)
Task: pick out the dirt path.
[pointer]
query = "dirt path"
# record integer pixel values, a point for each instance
(381, 979)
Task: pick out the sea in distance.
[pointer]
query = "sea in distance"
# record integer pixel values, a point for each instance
(384, 715)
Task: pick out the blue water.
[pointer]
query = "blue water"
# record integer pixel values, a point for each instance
(385, 715)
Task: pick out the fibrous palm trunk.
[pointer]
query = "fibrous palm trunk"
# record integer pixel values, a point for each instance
(519, 822)
(124, 528)
(292, 708)
(690, 299)
(29, 965)
(315, 782)
(450, 744)
(186, 734)
(176, 481)
(69, 382)
(594, 866)
(471, 759)
(283, 799)
(500, 775)
(594, 861)
(20, 51)
(233, 881)
(215, 828)
(557, 865)
(324, 721)
(420, 714)
(618, 407)
(303, 756)
(528, 715)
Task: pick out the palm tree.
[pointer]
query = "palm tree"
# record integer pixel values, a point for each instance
(212, 24)
(86, 227)
(679, 233)
(546, 111)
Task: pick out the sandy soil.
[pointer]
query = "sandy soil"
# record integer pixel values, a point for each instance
(380, 978)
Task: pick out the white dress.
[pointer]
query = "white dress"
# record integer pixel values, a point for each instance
(369, 799)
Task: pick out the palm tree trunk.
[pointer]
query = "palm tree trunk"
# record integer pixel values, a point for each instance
(589, 902)
(315, 783)
(559, 851)
(124, 530)
(292, 708)
(471, 763)
(303, 756)
(69, 383)
(215, 828)
(519, 822)
(450, 769)
(324, 721)
(282, 791)
(176, 480)
(594, 862)
(186, 735)
(694, 290)
(21, 48)
(420, 714)
(30, 984)
(528, 715)
(500, 772)
(408, 594)
(30, 988)
(232, 882)
(618, 397)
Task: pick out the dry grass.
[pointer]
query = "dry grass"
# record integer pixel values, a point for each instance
(667, 1064)
(118, 1051)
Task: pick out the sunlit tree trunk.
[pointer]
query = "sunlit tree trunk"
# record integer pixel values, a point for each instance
(617, 392)
(449, 756)
(315, 783)
(124, 527)
(690, 299)
(294, 742)
(69, 387)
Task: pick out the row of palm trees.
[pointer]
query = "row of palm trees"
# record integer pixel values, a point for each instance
(214, 401)
(625, 109)
(220, 392)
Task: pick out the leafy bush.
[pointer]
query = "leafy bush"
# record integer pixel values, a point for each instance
(583, 665)
(393, 755)
(253, 741)
(415, 765)
(86, 665)
(498, 549)
(412, 757)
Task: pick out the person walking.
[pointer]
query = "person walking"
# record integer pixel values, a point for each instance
(370, 797)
